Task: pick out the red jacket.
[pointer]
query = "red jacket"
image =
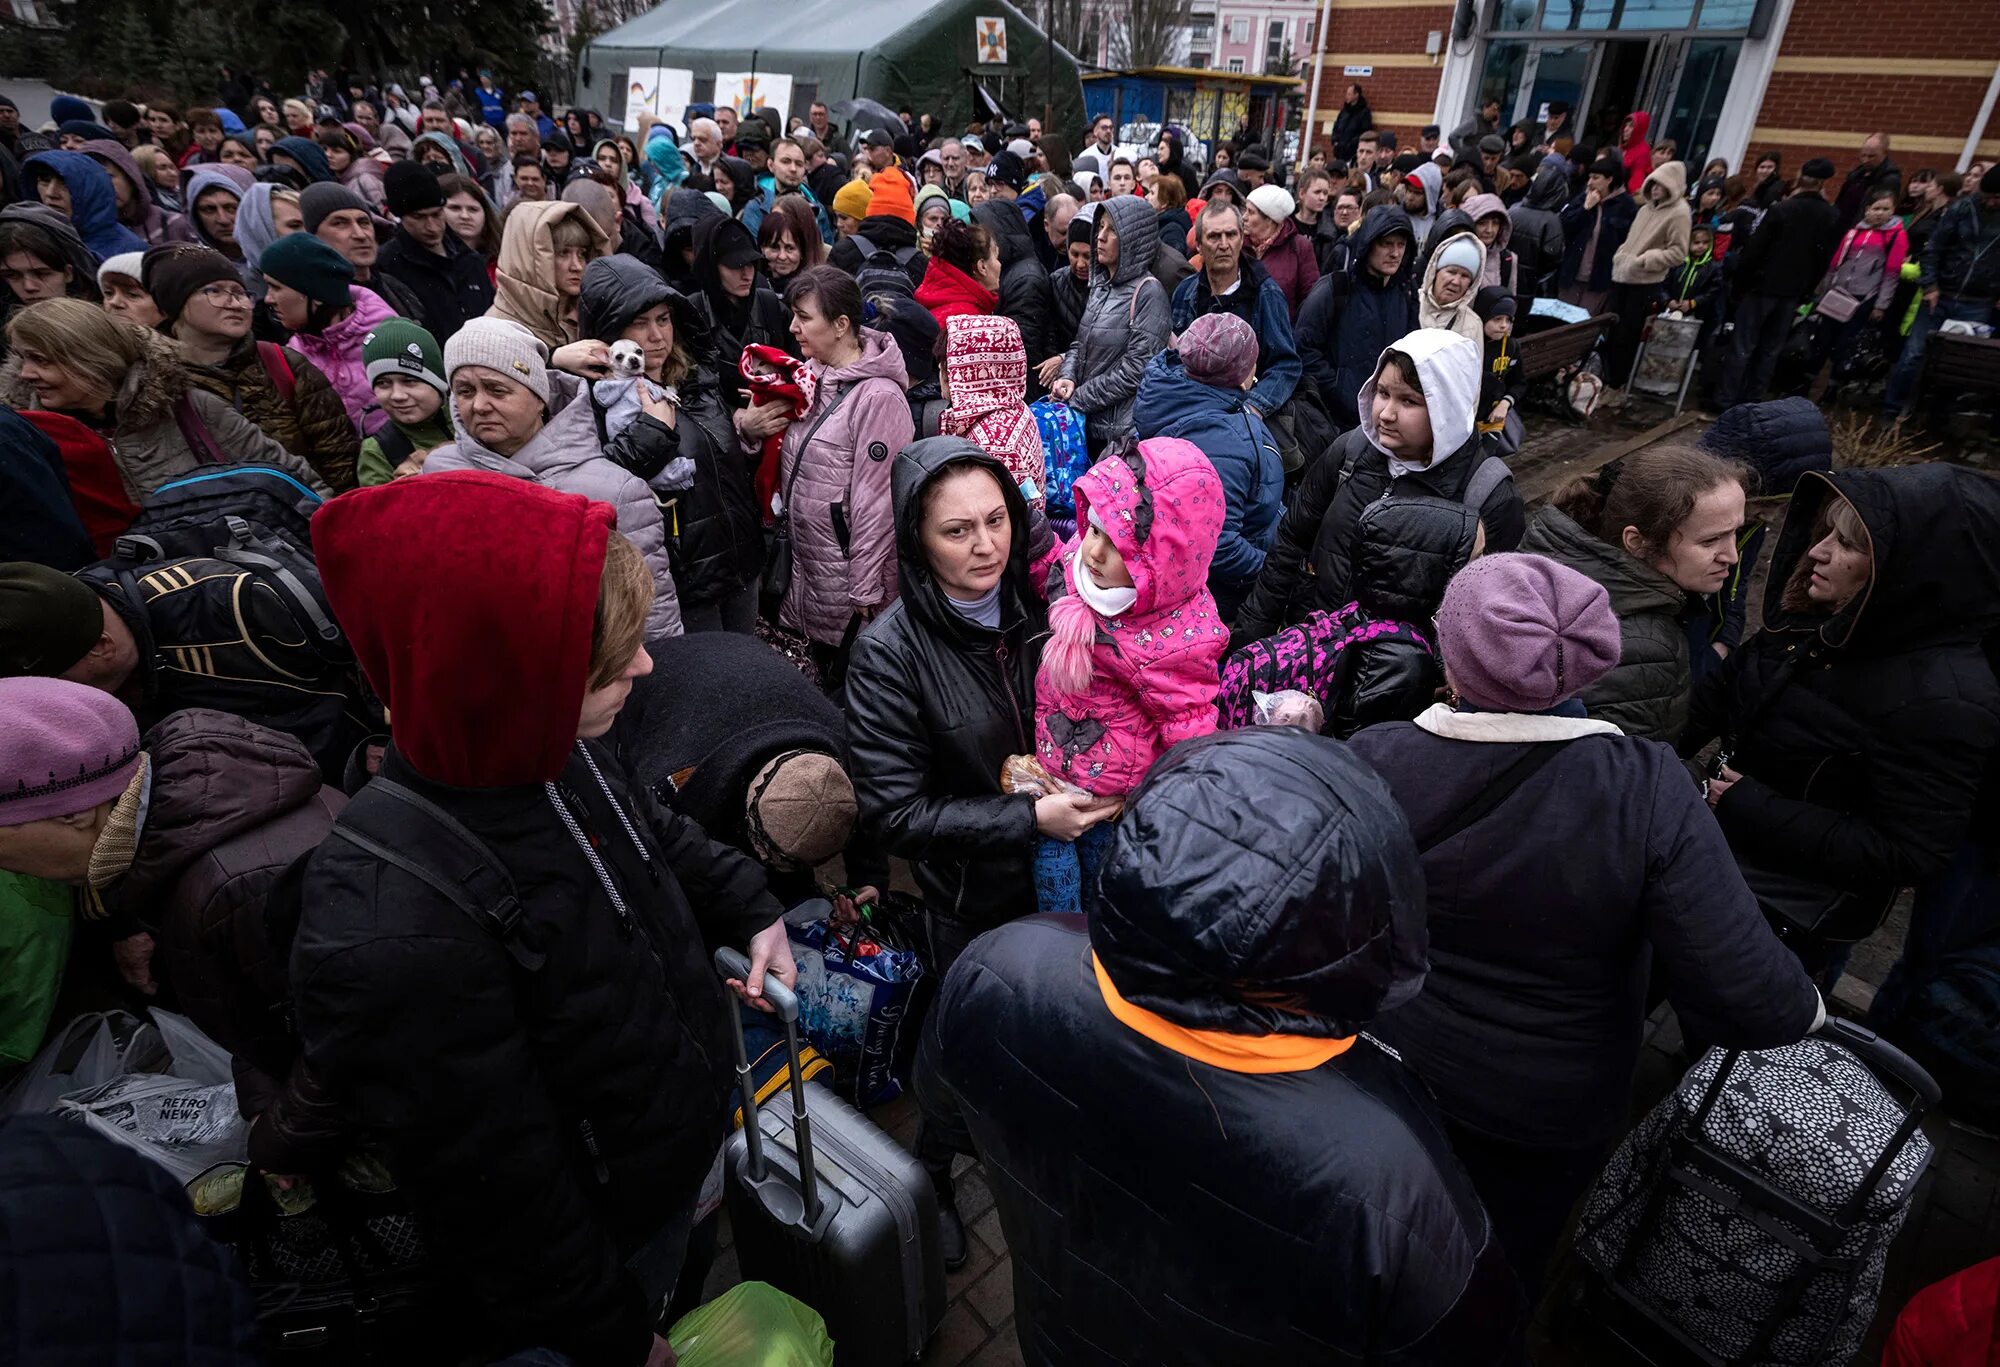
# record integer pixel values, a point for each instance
(1288, 259)
(948, 292)
(1952, 1323)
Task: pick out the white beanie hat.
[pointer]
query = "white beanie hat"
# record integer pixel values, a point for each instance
(1272, 201)
(1462, 251)
(499, 345)
(125, 264)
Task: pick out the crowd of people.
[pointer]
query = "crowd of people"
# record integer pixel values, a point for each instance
(462, 562)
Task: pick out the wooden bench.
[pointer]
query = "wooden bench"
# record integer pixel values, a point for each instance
(1956, 364)
(1543, 354)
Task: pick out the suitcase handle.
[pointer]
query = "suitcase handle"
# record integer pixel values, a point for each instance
(1884, 1060)
(731, 963)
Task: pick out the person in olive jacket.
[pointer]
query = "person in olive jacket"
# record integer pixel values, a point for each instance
(1857, 726)
(715, 541)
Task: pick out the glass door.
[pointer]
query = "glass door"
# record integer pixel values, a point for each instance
(1699, 84)
(1559, 72)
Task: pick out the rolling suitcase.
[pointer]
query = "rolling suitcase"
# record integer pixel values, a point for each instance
(1747, 1219)
(853, 1229)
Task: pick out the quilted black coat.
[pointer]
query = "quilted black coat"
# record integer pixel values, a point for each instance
(548, 1123)
(1863, 738)
(1167, 1211)
(105, 1262)
(935, 706)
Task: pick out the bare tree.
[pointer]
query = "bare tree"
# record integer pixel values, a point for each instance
(1150, 32)
(1062, 21)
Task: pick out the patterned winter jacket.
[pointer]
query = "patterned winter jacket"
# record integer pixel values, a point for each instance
(1154, 666)
(833, 475)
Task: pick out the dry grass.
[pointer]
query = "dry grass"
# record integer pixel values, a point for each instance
(1860, 440)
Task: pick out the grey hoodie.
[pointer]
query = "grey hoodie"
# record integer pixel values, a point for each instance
(1127, 319)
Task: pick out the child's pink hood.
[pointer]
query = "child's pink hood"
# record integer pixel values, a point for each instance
(1163, 508)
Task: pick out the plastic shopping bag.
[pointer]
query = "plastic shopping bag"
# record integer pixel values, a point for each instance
(753, 1324)
(186, 1127)
(88, 1052)
(855, 985)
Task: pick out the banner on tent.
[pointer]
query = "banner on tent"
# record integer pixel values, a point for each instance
(992, 39)
(748, 91)
(657, 92)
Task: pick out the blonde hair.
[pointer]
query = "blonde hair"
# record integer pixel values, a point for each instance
(1837, 516)
(95, 348)
(148, 158)
(285, 110)
(624, 597)
(570, 232)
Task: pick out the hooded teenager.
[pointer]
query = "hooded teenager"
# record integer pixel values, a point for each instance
(136, 209)
(1538, 230)
(79, 188)
(1635, 151)
(1417, 436)
(1127, 318)
(737, 308)
(513, 417)
(552, 1127)
(1349, 318)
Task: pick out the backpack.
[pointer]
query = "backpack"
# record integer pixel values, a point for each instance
(1490, 475)
(254, 516)
(1066, 454)
(1308, 658)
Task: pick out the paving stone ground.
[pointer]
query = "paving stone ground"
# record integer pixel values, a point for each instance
(1954, 1219)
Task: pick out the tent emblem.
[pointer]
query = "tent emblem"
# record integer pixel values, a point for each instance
(992, 39)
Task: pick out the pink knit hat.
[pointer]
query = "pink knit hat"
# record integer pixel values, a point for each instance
(65, 749)
(1520, 633)
(1219, 349)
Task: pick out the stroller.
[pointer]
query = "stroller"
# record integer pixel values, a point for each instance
(1747, 1220)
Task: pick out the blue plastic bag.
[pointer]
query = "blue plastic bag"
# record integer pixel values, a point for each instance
(855, 987)
(1065, 453)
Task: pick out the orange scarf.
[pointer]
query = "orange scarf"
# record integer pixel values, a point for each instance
(1218, 1048)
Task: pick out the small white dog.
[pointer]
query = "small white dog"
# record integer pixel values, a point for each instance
(628, 362)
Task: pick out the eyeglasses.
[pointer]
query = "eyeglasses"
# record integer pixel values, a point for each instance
(225, 296)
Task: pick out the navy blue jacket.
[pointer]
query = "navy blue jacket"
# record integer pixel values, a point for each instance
(37, 520)
(1616, 214)
(1171, 403)
(1347, 321)
(1259, 302)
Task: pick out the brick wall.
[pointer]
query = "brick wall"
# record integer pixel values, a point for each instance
(1926, 111)
(1406, 91)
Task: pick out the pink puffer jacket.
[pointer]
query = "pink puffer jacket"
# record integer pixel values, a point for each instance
(1155, 668)
(833, 470)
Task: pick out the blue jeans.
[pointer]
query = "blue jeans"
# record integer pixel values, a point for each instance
(1899, 391)
(1066, 871)
(1955, 907)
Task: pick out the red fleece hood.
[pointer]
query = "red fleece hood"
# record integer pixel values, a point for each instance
(470, 599)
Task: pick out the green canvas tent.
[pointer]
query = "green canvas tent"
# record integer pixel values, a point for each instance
(927, 58)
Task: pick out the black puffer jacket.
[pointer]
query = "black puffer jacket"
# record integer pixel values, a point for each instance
(730, 323)
(1405, 552)
(548, 1122)
(1646, 692)
(1862, 738)
(105, 1261)
(1309, 567)
(1529, 1025)
(937, 703)
(1024, 285)
(1264, 862)
(714, 540)
(1780, 439)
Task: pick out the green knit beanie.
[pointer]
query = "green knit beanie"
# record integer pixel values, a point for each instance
(400, 347)
(308, 265)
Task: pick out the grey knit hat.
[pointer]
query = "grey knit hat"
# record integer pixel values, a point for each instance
(499, 345)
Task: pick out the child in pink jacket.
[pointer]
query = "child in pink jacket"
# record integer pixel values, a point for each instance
(1136, 641)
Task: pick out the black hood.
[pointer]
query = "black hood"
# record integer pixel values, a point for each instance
(82, 262)
(1444, 227)
(1549, 189)
(744, 176)
(888, 232)
(712, 238)
(1000, 218)
(685, 209)
(1934, 531)
(1378, 222)
(617, 289)
(1176, 160)
(1262, 882)
(1405, 551)
(916, 466)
